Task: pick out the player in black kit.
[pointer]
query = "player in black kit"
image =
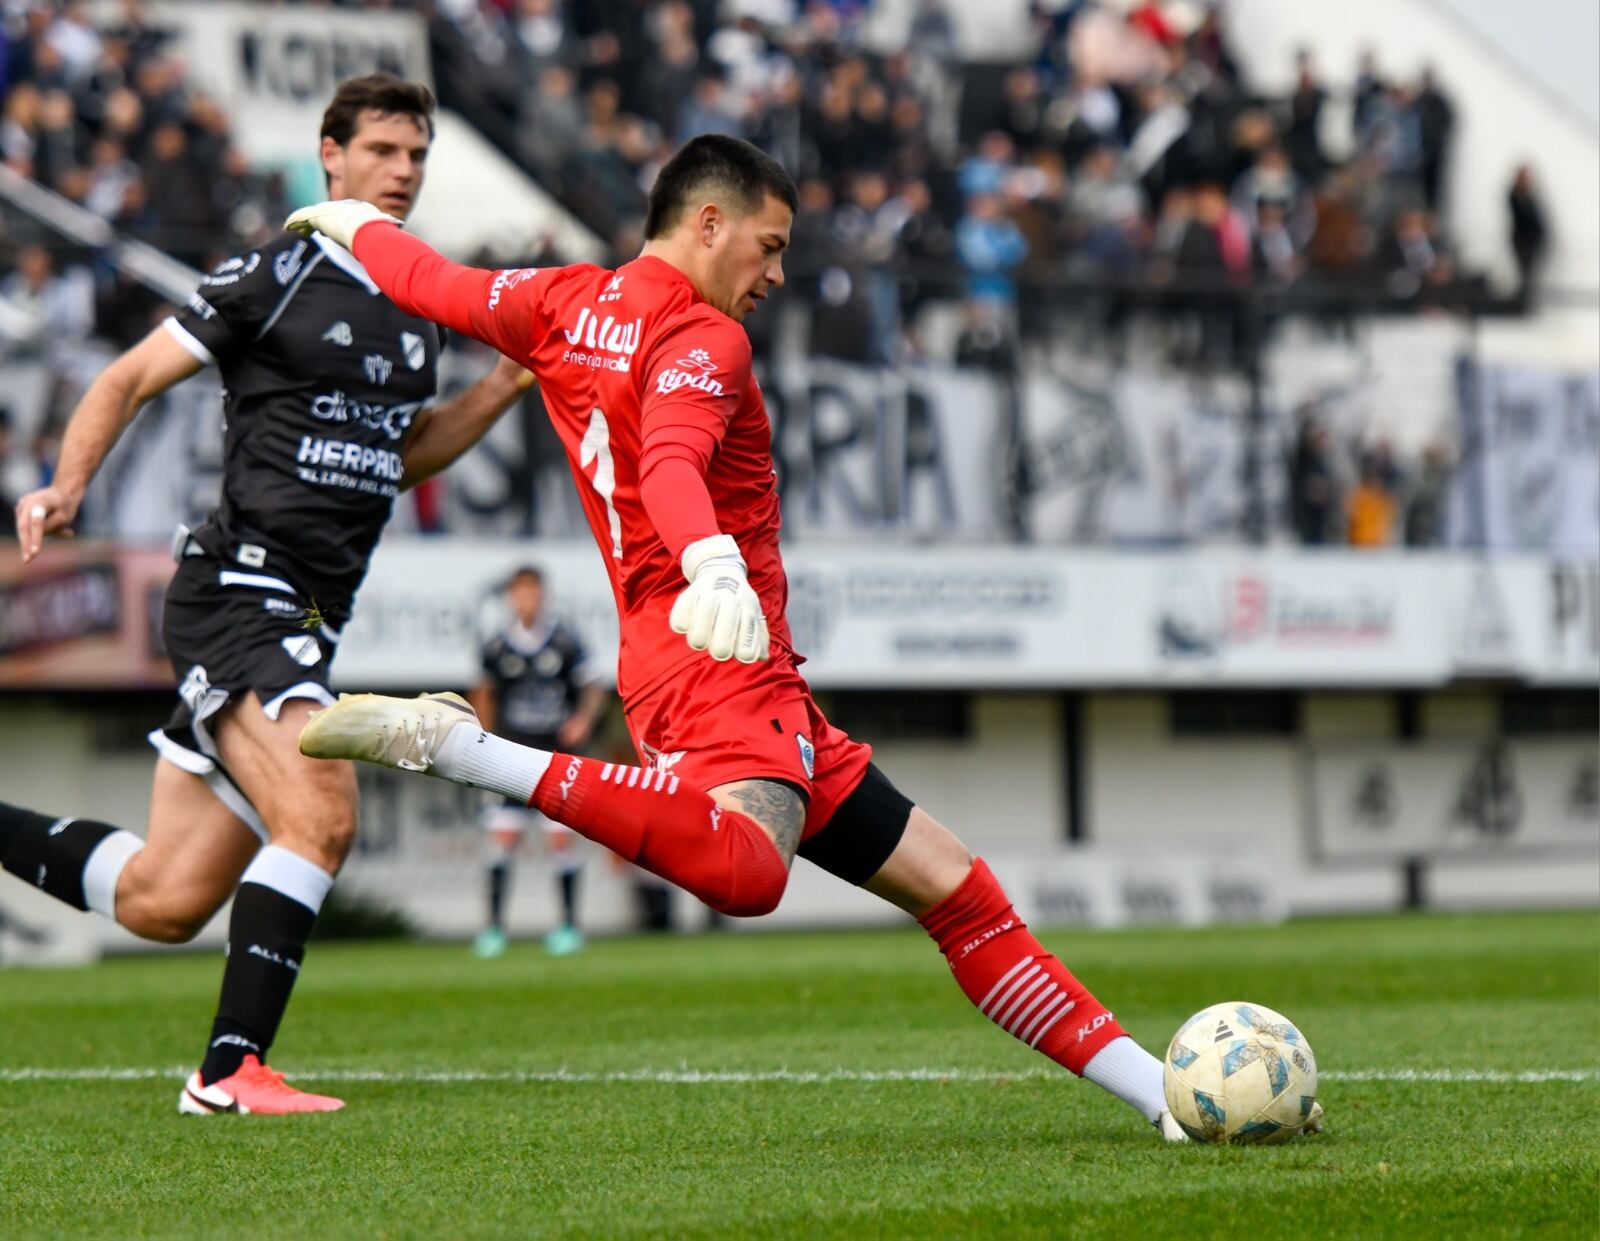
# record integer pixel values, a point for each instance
(539, 690)
(329, 415)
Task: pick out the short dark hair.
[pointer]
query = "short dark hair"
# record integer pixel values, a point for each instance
(383, 93)
(731, 165)
(523, 573)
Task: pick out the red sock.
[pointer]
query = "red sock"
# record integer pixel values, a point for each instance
(672, 830)
(1014, 982)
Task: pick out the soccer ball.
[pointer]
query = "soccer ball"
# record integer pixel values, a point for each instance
(1238, 1072)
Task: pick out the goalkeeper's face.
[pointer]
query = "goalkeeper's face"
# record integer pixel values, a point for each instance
(747, 258)
(382, 164)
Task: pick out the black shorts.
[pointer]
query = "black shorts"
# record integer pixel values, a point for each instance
(858, 839)
(229, 631)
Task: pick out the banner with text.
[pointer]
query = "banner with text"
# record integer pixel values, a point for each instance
(88, 614)
(1026, 617)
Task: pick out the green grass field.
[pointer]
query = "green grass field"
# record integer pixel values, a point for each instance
(458, 1124)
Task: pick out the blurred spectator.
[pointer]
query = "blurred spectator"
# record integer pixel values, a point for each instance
(58, 142)
(925, 247)
(542, 35)
(985, 171)
(54, 311)
(1313, 484)
(1304, 136)
(1274, 255)
(552, 125)
(1369, 89)
(1102, 195)
(1341, 239)
(1436, 120)
(1411, 258)
(990, 248)
(1272, 180)
(1373, 504)
(1429, 498)
(1529, 234)
(708, 110)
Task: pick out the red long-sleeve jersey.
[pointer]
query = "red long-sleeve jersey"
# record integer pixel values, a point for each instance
(650, 390)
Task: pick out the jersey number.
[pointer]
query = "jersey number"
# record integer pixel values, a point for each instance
(596, 447)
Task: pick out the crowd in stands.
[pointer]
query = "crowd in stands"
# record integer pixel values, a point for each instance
(1361, 496)
(100, 112)
(1129, 154)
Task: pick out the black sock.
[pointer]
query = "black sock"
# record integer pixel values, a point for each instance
(499, 881)
(569, 895)
(266, 942)
(49, 853)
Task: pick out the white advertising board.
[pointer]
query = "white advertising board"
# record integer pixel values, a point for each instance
(1011, 617)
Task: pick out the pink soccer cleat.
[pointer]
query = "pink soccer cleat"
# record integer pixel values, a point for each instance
(254, 1088)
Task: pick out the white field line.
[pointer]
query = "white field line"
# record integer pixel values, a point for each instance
(710, 1077)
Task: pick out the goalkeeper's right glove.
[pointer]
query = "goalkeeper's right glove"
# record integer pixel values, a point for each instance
(719, 613)
(338, 220)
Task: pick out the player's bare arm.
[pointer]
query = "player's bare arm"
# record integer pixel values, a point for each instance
(580, 725)
(113, 400)
(453, 426)
(485, 702)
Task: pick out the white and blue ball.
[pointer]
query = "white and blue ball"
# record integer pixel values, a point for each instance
(1239, 1072)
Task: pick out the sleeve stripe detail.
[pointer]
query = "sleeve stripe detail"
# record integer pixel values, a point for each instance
(288, 295)
(189, 341)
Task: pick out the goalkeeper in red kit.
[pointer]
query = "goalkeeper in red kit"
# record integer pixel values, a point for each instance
(645, 372)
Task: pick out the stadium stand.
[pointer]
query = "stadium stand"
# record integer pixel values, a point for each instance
(1126, 176)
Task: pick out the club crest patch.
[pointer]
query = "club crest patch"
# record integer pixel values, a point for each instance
(808, 754)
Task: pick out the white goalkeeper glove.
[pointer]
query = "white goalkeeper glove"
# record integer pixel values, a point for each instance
(337, 221)
(719, 613)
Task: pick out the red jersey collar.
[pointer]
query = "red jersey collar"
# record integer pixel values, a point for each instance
(654, 268)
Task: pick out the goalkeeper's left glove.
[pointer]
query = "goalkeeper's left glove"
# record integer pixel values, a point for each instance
(337, 221)
(719, 613)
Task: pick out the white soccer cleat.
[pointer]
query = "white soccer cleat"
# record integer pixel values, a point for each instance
(404, 733)
(1170, 1130)
(1314, 1121)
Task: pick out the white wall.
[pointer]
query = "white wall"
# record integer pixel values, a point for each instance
(1146, 789)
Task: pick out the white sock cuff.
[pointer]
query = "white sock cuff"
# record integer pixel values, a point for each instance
(104, 868)
(287, 872)
(1132, 1074)
(481, 760)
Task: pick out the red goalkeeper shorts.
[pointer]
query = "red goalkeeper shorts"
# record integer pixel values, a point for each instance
(713, 723)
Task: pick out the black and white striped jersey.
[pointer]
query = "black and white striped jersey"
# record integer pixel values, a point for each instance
(323, 380)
